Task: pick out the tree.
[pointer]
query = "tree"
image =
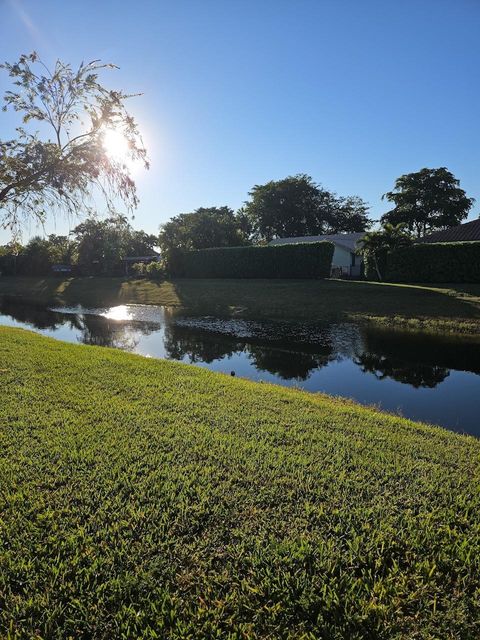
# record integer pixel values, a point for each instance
(350, 216)
(61, 249)
(101, 245)
(297, 206)
(38, 256)
(64, 165)
(204, 228)
(9, 254)
(375, 245)
(35, 257)
(140, 243)
(428, 200)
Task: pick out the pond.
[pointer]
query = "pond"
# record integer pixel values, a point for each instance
(420, 376)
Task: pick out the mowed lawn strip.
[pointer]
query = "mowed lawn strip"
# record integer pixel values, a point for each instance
(442, 308)
(151, 499)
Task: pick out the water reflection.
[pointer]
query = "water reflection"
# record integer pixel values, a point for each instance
(418, 349)
(419, 375)
(35, 315)
(103, 332)
(287, 363)
(182, 344)
(425, 377)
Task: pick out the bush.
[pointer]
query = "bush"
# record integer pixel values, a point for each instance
(435, 262)
(138, 269)
(152, 270)
(302, 260)
(155, 271)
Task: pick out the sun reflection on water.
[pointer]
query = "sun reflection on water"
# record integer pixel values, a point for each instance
(122, 312)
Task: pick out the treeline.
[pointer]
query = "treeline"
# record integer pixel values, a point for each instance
(424, 201)
(94, 247)
(294, 206)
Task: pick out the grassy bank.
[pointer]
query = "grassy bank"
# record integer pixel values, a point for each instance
(149, 499)
(442, 308)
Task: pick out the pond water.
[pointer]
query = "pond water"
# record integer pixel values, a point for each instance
(423, 377)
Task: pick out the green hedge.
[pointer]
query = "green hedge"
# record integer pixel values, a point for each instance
(302, 260)
(435, 262)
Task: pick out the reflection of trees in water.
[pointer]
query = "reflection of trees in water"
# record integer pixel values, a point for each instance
(198, 346)
(419, 360)
(416, 375)
(94, 330)
(103, 332)
(413, 359)
(288, 362)
(38, 316)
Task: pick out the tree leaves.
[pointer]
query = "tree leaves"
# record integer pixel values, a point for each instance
(62, 169)
(204, 228)
(428, 200)
(297, 206)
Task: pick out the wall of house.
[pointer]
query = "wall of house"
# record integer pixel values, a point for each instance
(342, 257)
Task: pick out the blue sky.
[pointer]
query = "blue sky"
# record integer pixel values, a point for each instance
(239, 92)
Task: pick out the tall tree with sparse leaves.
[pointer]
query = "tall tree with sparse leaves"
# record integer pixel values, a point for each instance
(58, 160)
(428, 200)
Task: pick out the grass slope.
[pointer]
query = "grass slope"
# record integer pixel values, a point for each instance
(449, 308)
(150, 499)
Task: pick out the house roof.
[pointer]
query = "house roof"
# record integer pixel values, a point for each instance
(467, 232)
(346, 240)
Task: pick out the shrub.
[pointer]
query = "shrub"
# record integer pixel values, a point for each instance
(435, 262)
(302, 260)
(155, 270)
(152, 270)
(138, 269)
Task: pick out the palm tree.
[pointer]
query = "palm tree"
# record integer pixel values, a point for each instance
(383, 241)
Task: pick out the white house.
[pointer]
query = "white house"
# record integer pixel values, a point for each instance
(345, 261)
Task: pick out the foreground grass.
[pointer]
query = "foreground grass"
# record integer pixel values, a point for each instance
(447, 308)
(149, 499)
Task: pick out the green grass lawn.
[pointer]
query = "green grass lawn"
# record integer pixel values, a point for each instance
(444, 308)
(150, 499)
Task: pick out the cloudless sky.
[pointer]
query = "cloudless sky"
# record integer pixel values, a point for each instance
(240, 92)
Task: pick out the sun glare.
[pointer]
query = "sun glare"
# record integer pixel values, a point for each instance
(122, 312)
(116, 146)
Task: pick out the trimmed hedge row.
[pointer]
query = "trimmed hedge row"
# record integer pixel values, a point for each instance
(302, 260)
(435, 262)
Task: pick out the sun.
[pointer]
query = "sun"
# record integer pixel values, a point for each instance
(116, 146)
